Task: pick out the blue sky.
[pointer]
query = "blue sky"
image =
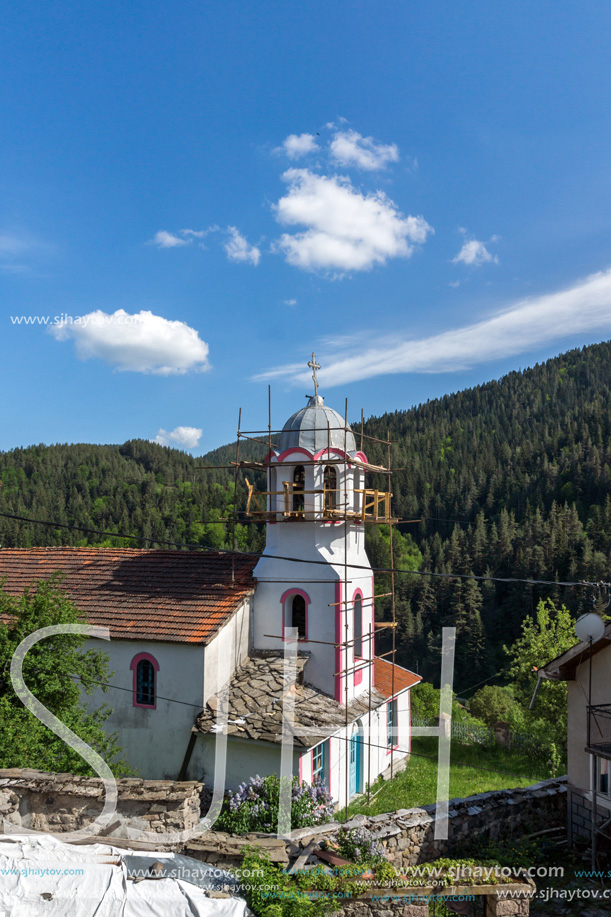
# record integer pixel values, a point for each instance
(420, 194)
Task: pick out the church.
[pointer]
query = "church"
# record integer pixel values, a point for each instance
(214, 651)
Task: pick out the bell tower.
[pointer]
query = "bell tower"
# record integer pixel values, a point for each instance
(315, 574)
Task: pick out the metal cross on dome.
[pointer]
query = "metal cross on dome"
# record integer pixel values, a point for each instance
(314, 366)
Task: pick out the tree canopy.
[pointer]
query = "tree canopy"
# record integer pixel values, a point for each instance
(55, 670)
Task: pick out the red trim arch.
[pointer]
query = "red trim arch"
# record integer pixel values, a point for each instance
(292, 450)
(313, 457)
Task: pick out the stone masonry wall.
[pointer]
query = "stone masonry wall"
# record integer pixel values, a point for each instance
(580, 814)
(65, 802)
(407, 835)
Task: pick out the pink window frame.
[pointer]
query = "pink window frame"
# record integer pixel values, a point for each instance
(289, 594)
(134, 667)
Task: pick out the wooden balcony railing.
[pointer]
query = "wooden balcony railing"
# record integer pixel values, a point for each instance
(375, 504)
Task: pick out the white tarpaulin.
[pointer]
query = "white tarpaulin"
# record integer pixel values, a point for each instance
(40, 876)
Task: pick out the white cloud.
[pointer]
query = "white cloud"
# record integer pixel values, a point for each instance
(21, 251)
(297, 145)
(163, 239)
(584, 309)
(198, 233)
(143, 342)
(12, 245)
(349, 148)
(185, 437)
(345, 230)
(13, 268)
(238, 249)
(290, 302)
(475, 253)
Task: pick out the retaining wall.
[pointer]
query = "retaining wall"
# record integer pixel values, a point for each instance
(65, 802)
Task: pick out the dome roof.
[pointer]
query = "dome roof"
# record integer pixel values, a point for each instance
(315, 427)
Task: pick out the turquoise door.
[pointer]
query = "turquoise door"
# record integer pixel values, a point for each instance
(355, 748)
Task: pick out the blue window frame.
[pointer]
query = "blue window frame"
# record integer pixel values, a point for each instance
(145, 683)
(320, 762)
(145, 668)
(392, 738)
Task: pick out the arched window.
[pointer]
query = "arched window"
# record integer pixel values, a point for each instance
(358, 625)
(330, 489)
(299, 616)
(145, 668)
(298, 488)
(295, 612)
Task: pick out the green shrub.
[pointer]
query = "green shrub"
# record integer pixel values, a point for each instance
(271, 892)
(254, 805)
(359, 846)
(493, 704)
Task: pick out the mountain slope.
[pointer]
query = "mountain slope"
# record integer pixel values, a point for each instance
(510, 479)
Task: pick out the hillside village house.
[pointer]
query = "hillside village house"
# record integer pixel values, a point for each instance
(197, 633)
(589, 732)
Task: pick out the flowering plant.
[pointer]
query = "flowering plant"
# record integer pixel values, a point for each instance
(254, 805)
(359, 846)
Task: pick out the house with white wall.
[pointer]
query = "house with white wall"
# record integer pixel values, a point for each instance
(200, 640)
(587, 673)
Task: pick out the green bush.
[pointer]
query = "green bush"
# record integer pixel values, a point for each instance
(493, 704)
(254, 805)
(271, 892)
(359, 846)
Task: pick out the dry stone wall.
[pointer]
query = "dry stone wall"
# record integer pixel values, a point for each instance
(407, 835)
(65, 802)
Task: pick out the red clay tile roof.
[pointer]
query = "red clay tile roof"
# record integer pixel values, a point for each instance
(383, 680)
(182, 596)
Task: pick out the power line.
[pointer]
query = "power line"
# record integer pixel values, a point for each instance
(80, 528)
(466, 690)
(407, 751)
(106, 684)
(324, 563)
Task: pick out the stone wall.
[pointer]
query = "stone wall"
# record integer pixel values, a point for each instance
(65, 802)
(580, 814)
(371, 905)
(407, 835)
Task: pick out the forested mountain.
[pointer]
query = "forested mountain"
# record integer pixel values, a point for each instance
(509, 479)
(139, 488)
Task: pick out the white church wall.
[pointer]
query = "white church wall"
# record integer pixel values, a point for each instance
(324, 544)
(154, 740)
(375, 759)
(245, 759)
(227, 650)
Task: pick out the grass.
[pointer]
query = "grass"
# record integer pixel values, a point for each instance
(417, 784)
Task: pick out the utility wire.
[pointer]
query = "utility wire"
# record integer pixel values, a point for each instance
(323, 563)
(406, 751)
(466, 690)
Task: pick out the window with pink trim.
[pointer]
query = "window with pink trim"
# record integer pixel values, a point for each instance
(145, 668)
(358, 626)
(295, 612)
